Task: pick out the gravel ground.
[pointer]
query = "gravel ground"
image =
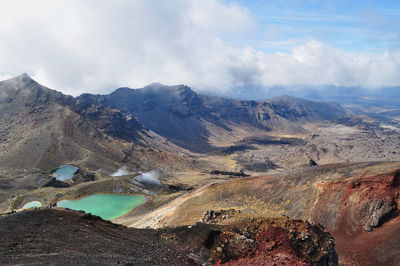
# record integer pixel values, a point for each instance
(59, 237)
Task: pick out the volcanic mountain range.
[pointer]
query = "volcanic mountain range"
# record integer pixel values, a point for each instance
(188, 119)
(62, 128)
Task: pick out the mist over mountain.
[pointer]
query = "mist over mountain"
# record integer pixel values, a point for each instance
(188, 118)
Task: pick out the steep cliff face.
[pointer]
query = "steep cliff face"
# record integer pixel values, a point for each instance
(175, 112)
(365, 203)
(363, 215)
(296, 109)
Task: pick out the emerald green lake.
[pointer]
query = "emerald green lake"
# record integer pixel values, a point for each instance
(107, 206)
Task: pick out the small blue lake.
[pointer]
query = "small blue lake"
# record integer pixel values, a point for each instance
(65, 172)
(32, 204)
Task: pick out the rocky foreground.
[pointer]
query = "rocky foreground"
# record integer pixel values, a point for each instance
(65, 237)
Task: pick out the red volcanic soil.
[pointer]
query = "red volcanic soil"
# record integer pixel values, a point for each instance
(379, 247)
(362, 215)
(273, 248)
(274, 241)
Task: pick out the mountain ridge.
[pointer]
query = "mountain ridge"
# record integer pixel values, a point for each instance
(50, 127)
(178, 113)
(65, 128)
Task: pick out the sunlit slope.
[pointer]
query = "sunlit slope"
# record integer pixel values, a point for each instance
(356, 202)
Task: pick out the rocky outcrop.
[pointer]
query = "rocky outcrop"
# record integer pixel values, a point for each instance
(238, 174)
(375, 212)
(213, 217)
(83, 175)
(279, 241)
(311, 162)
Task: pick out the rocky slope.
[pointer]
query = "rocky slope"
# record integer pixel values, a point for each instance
(42, 128)
(64, 237)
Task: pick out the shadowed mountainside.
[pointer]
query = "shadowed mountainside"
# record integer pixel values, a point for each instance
(188, 119)
(46, 128)
(49, 128)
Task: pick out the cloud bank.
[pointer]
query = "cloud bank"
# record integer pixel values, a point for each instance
(95, 46)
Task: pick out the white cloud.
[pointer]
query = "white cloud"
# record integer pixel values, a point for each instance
(95, 46)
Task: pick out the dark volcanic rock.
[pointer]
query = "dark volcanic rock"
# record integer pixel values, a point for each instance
(240, 174)
(83, 175)
(56, 183)
(312, 163)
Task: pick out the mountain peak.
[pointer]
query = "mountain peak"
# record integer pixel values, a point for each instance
(160, 86)
(18, 82)
(284, 97)
(24, 77)
(155, 86)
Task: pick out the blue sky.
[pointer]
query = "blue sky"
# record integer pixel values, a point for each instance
(358, 26)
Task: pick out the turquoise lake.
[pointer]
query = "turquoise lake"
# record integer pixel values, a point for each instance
(65, 172)
(107, 206)
(32, 204)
